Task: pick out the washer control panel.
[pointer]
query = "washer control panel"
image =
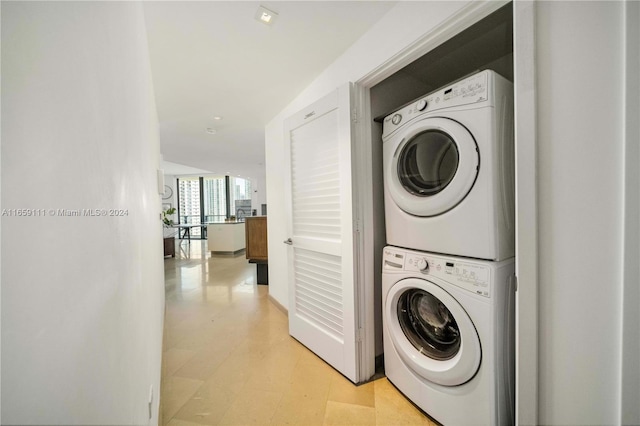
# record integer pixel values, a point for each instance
(470, 90)
(464, 273)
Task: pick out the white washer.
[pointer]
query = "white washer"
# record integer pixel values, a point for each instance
(449, 170)
(448, 325)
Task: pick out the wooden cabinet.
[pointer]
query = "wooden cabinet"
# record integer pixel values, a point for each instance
(256, 238)
(170, 246)
(256, 243)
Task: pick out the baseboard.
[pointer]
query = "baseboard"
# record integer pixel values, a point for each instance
(278, 305)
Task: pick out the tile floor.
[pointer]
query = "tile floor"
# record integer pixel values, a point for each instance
(229, 360)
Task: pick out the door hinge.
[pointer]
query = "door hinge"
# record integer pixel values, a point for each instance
(359, 334)
(354, 115)
(356, 226)
(514, 279)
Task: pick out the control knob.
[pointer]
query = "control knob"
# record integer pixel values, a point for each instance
(421, 105)
(396, 119)
(423, 265)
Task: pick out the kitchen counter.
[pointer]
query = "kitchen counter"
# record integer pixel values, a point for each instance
(235, 222)
(224, 238)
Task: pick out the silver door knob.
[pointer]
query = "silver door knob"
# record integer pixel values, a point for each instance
(288, 241)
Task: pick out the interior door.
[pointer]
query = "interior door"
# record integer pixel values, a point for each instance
(323, 307)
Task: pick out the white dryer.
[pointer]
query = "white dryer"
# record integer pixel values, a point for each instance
(448, 326)
(449, 170)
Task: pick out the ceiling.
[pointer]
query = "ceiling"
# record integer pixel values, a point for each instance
(213, 58)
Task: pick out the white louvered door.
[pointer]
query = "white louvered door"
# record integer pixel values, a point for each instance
(322, 299)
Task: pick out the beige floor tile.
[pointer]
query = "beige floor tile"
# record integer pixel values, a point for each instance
(231, 375)
(175, 392)
(312, 379)
(273, 375)
(171, 338)
(174, 358)
(342, 390)
(204, 362)
(188, 320)
(312, 362)
(197, 339)
(252, 407)
(298, 408)
(178, 422)
(285, 349)
(392, 408)
(341, 414)
(207, 406)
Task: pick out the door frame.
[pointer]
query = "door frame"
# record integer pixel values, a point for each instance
(526, 184)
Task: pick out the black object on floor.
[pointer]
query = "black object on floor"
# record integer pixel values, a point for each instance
(263, 271)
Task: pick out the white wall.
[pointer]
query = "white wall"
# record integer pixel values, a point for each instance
(630, 371)
(170, 181)
(580, 89)
(82, 297)
(259, 197)
(404, 24)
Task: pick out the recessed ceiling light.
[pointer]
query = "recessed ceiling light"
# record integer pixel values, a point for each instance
(211, 131)
(217, 117)
(266, 16)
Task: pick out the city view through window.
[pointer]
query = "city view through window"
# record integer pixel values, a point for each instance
(203, 200)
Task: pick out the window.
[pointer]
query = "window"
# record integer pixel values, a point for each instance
(189, 203)
(215, 199)
(240, 197)
(208, 199)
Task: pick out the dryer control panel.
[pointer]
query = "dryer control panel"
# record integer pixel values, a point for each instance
(465, 273)
(470, 90)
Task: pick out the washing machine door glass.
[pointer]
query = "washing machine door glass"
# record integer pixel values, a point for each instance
(431, 166)
(428, 163)
(428, 324)
(431, 332)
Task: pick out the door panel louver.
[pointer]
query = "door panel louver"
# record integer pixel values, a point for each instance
(315, 178)
(318, 290)
(321, 250)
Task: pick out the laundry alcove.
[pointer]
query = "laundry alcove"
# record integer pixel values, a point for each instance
(485, 44)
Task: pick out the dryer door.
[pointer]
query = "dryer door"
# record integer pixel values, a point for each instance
(434, 165)
(432, 332)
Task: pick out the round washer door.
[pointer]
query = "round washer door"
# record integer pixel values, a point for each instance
(434, 165)
(432, 332)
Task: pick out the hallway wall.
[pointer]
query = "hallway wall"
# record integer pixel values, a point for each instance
(82, 296)
(580, 45)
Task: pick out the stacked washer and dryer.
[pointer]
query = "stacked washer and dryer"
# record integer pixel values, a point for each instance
(448, 272)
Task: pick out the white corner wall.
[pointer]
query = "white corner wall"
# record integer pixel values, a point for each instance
(259, 196)
(82, 297)
(399, 28)
(630, 371)
(580, 97)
